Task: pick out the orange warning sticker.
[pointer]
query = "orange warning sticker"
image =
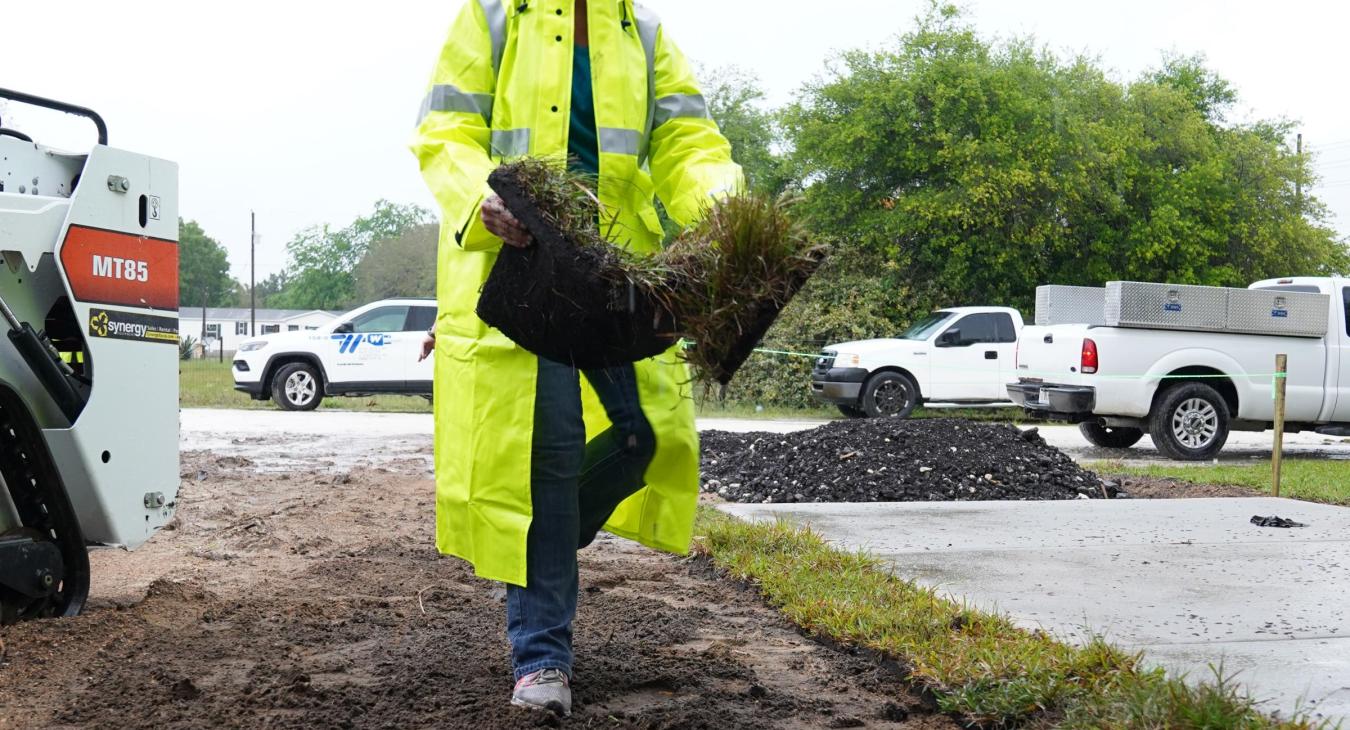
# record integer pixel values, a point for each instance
(108, 267)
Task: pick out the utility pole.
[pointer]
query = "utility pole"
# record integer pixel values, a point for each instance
(1298, 181)
(253, 278)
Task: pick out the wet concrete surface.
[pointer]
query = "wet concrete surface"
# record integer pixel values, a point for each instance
(1192, 583)
(281, 441)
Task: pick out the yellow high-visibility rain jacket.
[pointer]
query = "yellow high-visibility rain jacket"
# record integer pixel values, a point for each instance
(502, 89)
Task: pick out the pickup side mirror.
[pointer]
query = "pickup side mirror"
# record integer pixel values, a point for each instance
(344, 329)
(950, 338)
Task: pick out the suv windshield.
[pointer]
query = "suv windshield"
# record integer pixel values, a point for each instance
(924, 328)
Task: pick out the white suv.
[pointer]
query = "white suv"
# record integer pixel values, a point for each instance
(373, 349)
(957, 355)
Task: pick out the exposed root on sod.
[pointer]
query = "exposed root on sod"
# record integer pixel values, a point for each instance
(575, 298)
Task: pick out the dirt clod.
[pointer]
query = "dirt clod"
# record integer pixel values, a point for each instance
(887, 460)
(184, 689)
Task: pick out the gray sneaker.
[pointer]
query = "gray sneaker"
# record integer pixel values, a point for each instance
(546, 689)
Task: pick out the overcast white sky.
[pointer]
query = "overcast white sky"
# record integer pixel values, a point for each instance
(302, 110)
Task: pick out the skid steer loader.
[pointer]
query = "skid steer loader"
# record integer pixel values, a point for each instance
(88, 360)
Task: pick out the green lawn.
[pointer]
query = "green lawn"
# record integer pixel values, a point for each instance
(1315, 480)
(208, 384)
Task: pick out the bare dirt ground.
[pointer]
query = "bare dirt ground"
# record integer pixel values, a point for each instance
(1164, 488)
(314, 598)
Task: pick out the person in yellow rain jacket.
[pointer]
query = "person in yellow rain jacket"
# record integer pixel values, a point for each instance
(533, 458)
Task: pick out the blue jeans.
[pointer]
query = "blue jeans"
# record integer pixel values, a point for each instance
(574, 488)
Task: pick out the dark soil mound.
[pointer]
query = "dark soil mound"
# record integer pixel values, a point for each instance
(888, 460)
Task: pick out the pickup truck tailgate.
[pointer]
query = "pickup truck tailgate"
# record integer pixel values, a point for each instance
(1051, 354)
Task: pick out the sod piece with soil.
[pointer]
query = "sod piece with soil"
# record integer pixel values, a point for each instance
(575, 298)
(560, 298)
(889, 460)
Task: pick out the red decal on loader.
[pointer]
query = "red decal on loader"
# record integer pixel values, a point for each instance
(106, 267)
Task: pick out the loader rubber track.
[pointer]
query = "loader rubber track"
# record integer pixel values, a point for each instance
(45, 512)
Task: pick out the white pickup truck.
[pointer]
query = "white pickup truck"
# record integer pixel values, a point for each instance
(1188, 387)
(369, 350)
(958, 355)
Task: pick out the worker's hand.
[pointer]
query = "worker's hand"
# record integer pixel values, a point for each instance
(499, 222)
(428, 346)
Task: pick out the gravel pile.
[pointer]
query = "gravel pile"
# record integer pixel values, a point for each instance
(887, 460)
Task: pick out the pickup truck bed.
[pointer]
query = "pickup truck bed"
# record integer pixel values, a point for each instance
(1186, 388)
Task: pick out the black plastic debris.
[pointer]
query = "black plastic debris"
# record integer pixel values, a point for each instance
(1273, 521)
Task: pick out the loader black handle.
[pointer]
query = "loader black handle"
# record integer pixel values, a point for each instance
(60, 106)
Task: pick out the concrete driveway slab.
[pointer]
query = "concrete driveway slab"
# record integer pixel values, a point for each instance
(1192, 583)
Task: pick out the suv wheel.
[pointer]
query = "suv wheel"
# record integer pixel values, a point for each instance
(1189, 422)
(890, 395)
(1110, 437)
(297, 387)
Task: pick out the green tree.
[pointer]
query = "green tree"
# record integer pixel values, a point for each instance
(403, 266)
(736, 101)
(203, 269)
(323, 261)
(966, 171)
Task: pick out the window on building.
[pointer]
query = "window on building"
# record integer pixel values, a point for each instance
(241, 328)
(213, 331)
(310, 329)
(271, 329)
(292, 328)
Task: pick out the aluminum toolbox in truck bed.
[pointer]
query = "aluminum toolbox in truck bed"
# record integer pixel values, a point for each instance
(1057, 304)
(1166, 306)
(1273, 312)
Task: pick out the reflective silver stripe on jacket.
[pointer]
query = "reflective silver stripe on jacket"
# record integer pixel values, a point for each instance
(510, 142)
(448, 98)
(496, 20)
(675, 106)
(619, 141)
(648, 26)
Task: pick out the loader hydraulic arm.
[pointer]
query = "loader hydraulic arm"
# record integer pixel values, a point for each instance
(55, 375)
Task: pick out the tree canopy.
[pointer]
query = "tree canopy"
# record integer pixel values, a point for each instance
(403, 266)
(736, 102)
(970, 172)
(203, 269)
(322, 271)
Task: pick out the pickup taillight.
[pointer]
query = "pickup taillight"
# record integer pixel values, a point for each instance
(1089, 362)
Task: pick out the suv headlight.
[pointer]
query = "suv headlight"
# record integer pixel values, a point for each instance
(253, 346)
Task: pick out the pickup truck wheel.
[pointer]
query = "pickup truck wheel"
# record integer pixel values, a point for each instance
(852, 411)
(1110, 437)
(297, 387)
(890, 395)
(1190, 422)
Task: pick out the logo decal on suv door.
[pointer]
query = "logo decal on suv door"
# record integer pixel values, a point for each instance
(349, 343)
